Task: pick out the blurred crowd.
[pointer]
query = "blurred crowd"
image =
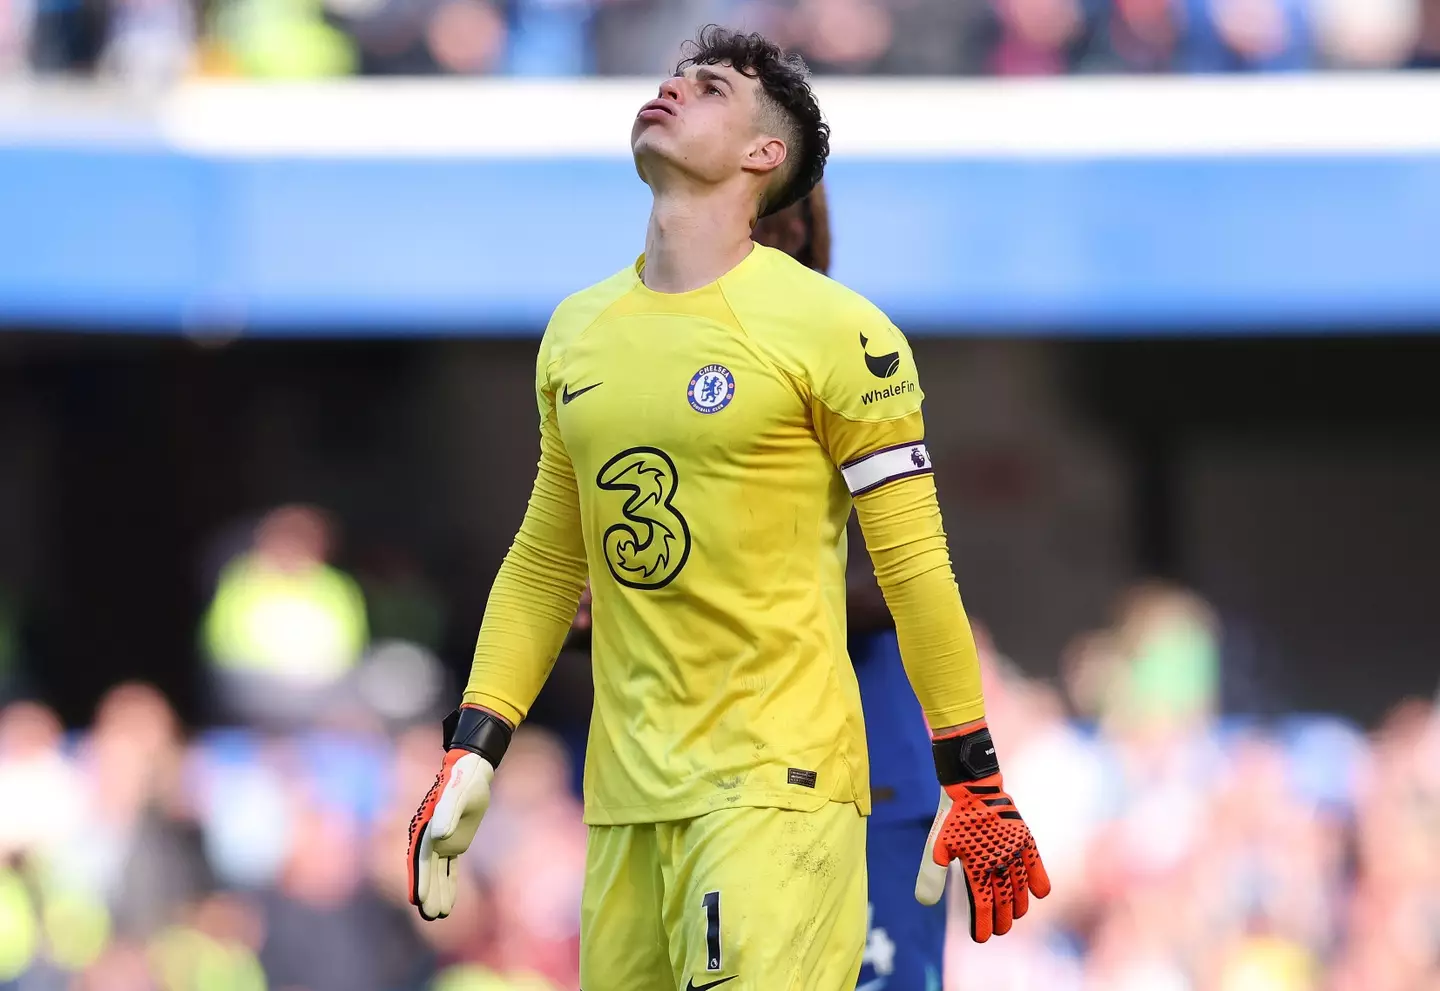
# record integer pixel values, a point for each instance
(155, 42)
(264, 849)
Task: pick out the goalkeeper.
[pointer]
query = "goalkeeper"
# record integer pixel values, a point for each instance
(708, 418)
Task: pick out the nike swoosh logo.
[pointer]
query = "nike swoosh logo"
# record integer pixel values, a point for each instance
(692, 986)
(567, 397)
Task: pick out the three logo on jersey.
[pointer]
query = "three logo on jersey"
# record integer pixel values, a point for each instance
(651, 543)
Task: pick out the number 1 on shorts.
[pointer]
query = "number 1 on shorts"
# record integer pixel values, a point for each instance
(711, 901)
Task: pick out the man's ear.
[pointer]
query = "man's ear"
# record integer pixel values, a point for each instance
(766, 155)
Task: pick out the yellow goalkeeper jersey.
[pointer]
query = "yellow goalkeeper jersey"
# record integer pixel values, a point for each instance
(699, 455)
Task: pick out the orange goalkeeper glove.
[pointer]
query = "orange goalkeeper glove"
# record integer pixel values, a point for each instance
(444, 825)
(978, 825)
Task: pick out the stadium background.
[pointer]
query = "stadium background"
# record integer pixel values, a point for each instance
(1172, 274)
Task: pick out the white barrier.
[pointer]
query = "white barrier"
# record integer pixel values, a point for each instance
(875, 118)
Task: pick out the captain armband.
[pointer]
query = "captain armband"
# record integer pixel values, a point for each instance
(889, 464)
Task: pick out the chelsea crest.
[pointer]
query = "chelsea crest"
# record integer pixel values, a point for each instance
(711, 389)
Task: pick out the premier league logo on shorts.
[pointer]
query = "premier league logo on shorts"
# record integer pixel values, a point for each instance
(711, 389)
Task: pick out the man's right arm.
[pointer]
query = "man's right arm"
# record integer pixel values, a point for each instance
(531, 605)
(533, 600)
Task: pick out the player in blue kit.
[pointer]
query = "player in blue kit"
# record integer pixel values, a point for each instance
(905, 943)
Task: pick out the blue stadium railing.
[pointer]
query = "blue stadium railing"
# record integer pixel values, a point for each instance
(163, 234)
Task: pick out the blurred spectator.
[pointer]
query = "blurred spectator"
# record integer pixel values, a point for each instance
(1089, 668)
(535, 860)
(843, 35)
(285, 628)
(643, 37)
(940, 37)
(549, 38)
(65, 35)
(1427, 43)
(16, 17)
(1366, 34)
(245, 808)
(139, 846)
(150, 43)
(276, 39)
(153, 42)
(1170, 677)
(1248, 35)
(213, 948)
(1037, 37)
(1134, 36)
(466, 37)
(39, 784)
(895, 37)
(326, 929)
(1189, 851)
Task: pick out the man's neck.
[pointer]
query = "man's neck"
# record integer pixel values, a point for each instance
(694, 238)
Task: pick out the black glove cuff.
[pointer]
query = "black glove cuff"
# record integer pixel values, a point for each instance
(963, 758)
(475, 730)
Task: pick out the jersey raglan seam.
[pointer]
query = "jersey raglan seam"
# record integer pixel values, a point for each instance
(797, 381)
(555, 354)
(879, 419)
(807, 388)
(600, 316)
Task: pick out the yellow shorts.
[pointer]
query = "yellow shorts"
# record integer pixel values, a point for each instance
(745, 899)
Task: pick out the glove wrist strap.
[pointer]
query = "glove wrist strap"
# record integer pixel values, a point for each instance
(967, 757)
(473, 729)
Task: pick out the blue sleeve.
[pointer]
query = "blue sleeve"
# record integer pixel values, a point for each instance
(902, 772)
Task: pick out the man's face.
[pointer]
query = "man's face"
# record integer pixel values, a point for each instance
(703, 122)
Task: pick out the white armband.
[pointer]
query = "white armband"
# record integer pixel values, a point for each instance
(889, 464)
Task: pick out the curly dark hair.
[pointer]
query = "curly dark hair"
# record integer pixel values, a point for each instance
(785, 83)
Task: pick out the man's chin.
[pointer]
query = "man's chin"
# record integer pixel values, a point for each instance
(647, 150)
(644, 137)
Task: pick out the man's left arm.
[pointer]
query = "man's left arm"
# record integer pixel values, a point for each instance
(877, 439)
(908, 551)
